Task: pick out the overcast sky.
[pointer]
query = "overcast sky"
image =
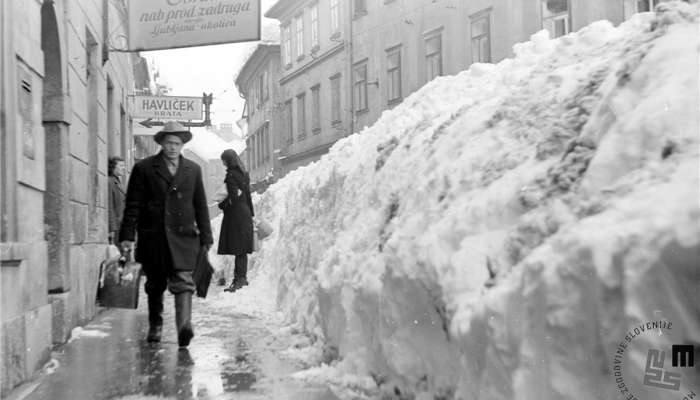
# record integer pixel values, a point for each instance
(211, 69)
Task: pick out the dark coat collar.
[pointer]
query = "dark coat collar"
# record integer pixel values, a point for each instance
(116, 182)
(162, 169)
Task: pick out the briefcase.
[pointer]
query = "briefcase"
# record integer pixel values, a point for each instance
(120, 278)
(202, 273)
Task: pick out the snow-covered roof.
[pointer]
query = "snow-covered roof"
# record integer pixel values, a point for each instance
(209, 146)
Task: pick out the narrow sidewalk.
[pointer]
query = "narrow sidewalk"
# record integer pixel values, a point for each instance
(233, 355)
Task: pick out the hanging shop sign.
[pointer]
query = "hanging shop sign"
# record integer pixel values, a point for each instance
(168, 107)
(169, 24)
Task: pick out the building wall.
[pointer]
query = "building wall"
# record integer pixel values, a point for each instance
(265, 62)
(58, 127)
(213, 175)
(407, 23)
(303, 71)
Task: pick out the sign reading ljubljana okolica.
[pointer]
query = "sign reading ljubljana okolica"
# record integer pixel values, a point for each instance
(168, 24)
(167, 107)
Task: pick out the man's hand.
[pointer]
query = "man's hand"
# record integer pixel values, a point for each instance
(126, 246)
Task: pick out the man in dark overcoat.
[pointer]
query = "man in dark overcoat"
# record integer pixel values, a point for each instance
(166, 205)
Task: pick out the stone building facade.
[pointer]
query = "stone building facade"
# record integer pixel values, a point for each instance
(63, 113)
(360, 57)
(400, 45)
(257, 81)
(315, 108)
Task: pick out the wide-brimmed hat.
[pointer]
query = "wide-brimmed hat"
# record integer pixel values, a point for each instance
(173, 128)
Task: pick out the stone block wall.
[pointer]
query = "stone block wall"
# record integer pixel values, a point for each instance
(55, 144)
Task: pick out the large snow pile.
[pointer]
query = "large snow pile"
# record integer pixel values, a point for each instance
(499, 233)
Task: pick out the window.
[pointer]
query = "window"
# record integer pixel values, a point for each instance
(393, 74)
(286, 45)
(256, 150)
(335, 99)
(359, 7)
(301, 116)
(555, 17)
(360, 87)
(299, 26)
(316, 109)
(251, 95)
(258, 147)
(646, 5)
(264, 88)
(262, 138)
(335, 16)
(481, 37)
(290, 120)
(433, 56)
(266, 141)
(314, 26)
(249, 153)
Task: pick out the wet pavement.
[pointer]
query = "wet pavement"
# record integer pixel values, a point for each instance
(233, 356)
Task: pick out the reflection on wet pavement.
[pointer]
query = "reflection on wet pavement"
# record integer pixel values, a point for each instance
(238, 374)
(230, 358)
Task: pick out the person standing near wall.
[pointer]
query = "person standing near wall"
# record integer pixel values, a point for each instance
(236, 236)
(116, 170)
(166, 203)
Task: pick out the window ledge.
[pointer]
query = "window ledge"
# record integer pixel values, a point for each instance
(359, 14)
(363, 111)
(14, 251)
(336, 123)
(395, 101)
(316, 131)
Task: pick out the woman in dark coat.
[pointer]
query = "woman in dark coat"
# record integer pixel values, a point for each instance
(236, 237)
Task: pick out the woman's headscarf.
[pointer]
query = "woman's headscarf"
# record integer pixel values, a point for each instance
(232, 160)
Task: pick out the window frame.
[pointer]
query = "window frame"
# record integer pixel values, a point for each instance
(650, 3)
(361, 10)
(335, 16)
(361, 99)
(264, 78)
(429, 57)
(565, 16)
(301, 115)
(299, 35)
(314, 27)
(287, 44)
(481, 15)
(336, 98)
(249, 148)
(290, 120)
(316, 109)
(390, 72)
(253, 100)
(258, 146)
(265, 129)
